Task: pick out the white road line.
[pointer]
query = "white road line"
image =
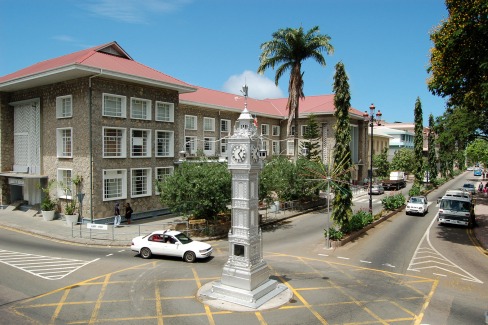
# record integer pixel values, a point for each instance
(46, 267)
(323, 255)
(439, 274)
(343, 258)
(389, 265)
(109, 254)
(365, 261)
(417, 255)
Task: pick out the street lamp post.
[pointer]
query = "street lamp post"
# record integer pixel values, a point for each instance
(371, 119)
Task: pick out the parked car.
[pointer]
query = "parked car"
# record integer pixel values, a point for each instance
(417, 205)
(170, 243)
(376, 189)
(469, 187)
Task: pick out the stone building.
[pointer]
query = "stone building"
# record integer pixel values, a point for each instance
(118, 126)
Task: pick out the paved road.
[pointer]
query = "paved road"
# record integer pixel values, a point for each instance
(328, 286)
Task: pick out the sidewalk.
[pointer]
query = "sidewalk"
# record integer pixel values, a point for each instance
(121, 236)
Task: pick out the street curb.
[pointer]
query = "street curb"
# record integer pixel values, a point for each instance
(356, 234)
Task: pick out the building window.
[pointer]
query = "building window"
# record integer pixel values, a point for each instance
(290, 147)
(64, 143)
(165, 112)
(191, 145)
(224, 125)
(114, 184)
(208, 124)
(264, 129)
(64, 106)
(304, 129)
(190, 122)
(161, 174)
(209, 146)
(140, 182)
(65, 185)
(275, 130)
(265, 145)
(292, 130)
(114, 105)
(223, 147)
(276, 147)
(164, 143)
(114, 142)
(140, 109)
(140, 140)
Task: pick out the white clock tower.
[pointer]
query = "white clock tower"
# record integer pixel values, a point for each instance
(245, 277)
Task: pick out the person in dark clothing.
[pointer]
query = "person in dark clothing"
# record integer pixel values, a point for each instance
(128, 212)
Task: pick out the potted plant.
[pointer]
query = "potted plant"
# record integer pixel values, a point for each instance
(48, 204)
(70, 213)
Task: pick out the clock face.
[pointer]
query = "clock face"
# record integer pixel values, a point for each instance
(254, 153)
(239, 153)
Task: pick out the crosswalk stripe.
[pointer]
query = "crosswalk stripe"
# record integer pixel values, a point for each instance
(46, 267)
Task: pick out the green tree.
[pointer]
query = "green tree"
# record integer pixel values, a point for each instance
(284, 180)
(458, 64)
(418, 143)
(288, 49)
(342, 211)
(380, 161)
(312, 140)
(432, 159)
(453, 134)
(477, 151)
(197, 189)
(403, 160)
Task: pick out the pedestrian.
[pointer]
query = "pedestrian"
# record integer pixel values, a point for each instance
(128, 212)
(480, 188)
(117, 218)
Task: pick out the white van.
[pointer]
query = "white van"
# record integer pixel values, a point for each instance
(456, 207)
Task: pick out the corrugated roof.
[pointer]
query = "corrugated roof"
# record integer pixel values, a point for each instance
(114, 62)
(322, 104)
(109, 58)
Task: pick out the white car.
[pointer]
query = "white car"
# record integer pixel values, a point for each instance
(417, 205)
(170, 243)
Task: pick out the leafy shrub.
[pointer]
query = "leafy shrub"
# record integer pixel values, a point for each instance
(414, 191)
(393, 202)
(334, 234)
(360, 220)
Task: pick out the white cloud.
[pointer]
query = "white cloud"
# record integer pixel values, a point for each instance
(132, 11)
(259, 86)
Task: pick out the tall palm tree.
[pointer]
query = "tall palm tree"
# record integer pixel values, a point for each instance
(288, 48)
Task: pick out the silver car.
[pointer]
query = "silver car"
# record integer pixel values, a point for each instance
(376, 189)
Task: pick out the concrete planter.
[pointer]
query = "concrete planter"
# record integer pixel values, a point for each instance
(71, 219)
(48, 215)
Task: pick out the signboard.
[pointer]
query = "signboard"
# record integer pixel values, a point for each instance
(16, 181)
(96, 226)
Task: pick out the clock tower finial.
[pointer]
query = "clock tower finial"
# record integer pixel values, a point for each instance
(244, 126)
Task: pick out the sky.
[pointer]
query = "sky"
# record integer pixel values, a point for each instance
(383, 44)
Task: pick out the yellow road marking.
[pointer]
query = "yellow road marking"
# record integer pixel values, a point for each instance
(207, 308)
(426, 303)
(476, 242)
(98, 303)
(59, 306)
(159, 308)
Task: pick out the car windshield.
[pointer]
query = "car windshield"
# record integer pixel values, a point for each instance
(455, 205)
(469, 185)
(184, 239)
(415, 200)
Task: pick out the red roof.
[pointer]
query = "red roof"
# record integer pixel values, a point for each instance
(109, 58)
(322, 104)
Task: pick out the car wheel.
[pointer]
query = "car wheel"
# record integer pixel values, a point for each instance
(146, 253)
(189, 257)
